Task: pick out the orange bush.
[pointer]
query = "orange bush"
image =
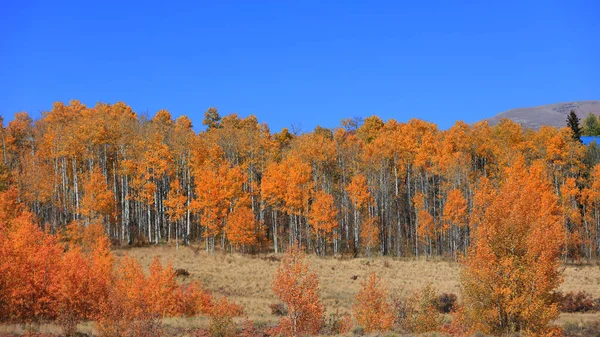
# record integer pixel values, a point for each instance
(192, 299)
(339, 324)
(222, 313)
(42, 279)
(29, 265)
(372, 308)
(136, 303)
(298, 289)
(84, 276)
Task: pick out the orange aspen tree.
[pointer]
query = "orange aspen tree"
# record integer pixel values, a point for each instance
(456, 218)
(372, 309)
(176, 204)
(298, 190)
(358, 192)
(10, 207)
(298, 289)
(98, 200)
(241, 227)
(425, 223)
(591, 208)
(323, 218)
(287, 186)
(570, 201)
(512, 268)
(126, 311)
(219, 186)
(482, 199)
(273, 194)
(369, 234)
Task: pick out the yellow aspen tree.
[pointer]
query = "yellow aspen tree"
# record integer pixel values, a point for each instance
(513, 265)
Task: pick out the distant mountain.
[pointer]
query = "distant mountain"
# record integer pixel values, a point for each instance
(551, 114)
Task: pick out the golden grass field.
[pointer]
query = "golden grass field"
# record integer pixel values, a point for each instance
(246, 279)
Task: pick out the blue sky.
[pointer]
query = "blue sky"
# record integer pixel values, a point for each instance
(303, 62)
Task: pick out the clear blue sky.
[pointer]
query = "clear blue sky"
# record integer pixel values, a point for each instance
(302, 62)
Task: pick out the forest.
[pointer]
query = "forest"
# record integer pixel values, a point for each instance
(365, 187)
(512, 205)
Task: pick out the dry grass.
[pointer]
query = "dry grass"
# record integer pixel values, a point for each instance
(247, 280)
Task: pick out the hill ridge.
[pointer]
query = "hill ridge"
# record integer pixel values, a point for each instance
(548, 114)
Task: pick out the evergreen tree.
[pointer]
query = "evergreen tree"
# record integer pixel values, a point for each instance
(573, 123)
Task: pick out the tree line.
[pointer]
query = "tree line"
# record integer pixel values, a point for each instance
(366, 187)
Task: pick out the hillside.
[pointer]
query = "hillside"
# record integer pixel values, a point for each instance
(551, 114)
(247, 280)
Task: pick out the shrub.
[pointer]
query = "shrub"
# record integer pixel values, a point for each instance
(136, 303)
(182, 272)
(248, 329)
(580, 301)
(221, 314)
(298, 289)
(254, 329)
(339, 323)
(192, 299)
(278, 309)
(419, 313)
(372, 308)
(445, 303)
(459, 325)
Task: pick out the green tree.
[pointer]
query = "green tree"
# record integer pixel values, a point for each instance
(573, 123)
(590, 125)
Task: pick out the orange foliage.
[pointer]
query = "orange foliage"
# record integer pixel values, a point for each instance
(455, 210)
(426, 225)
(176, 201)
(570, 202)
(372, 309)
(370, 234)
(143, 177)
(298, 289)
(323, 215)
(241, 226)
(219, 188)
(98, 199)
(89, 238)
(85, 275)
(135, 302)
(29, 265)
(288, 185)
(358, 191)
(513, 266)
(10, 208)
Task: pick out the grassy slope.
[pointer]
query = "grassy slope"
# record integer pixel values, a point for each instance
(247, 280)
